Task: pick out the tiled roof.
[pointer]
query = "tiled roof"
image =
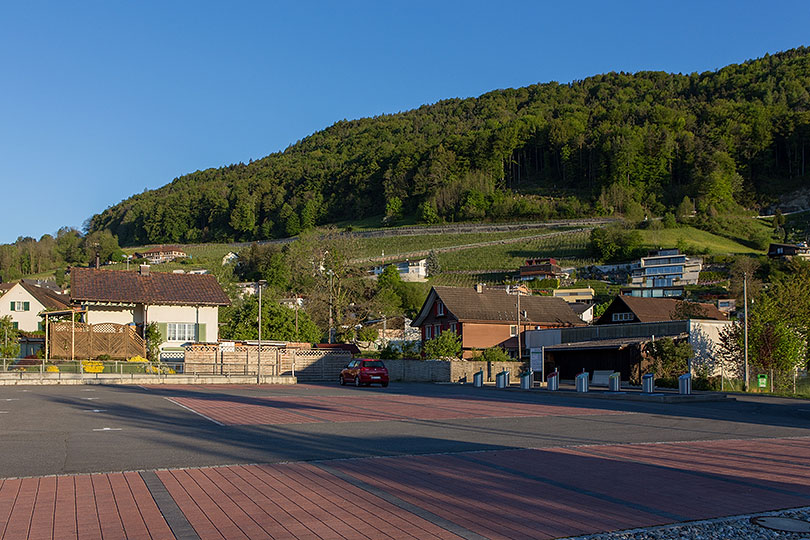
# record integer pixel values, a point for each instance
(47, 297)
(466, 304)
(662, 309)
(120, 286)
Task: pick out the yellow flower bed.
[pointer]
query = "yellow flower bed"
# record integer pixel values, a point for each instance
(136, 359)
(52, 369)
(90, 366)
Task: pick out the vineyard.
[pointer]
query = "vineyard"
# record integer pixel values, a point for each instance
(571, 249)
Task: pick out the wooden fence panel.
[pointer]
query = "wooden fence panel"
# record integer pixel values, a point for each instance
(89, 341)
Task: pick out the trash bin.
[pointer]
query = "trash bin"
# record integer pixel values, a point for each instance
(553, 380)
(582, 382)
(478, 379)
(502, 379)
(615, 382)
(526, 380)
(762, 381)
(648, 383)
(685, 384)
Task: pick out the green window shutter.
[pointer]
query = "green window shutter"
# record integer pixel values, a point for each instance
(201, 332)
(12, 306)
(40, 326)
(164, 332)
(15, 325)
(26, 306)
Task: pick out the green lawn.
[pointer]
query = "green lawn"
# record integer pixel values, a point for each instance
(717, 245)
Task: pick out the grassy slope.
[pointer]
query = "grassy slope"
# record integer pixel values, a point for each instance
(488, 263)
(718, 245)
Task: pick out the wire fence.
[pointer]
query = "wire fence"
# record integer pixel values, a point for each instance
(27, 368)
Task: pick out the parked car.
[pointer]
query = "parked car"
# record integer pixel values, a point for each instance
(365, 372)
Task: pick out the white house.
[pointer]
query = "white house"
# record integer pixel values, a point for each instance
(408, 270)
(24, 301)
(184, 306)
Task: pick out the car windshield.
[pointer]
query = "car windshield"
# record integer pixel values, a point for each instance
(373, 363)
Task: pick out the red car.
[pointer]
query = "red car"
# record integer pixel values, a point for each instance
(365, 372)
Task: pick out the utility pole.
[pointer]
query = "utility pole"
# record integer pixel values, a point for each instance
(745, 314)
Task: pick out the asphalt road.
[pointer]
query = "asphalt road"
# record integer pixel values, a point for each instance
(80, 429)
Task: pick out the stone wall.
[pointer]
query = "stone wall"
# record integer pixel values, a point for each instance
(307, 365)
(447, 371)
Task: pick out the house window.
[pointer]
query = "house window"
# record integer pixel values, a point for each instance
(437, 329)
(513, 330)
(617, 317)
(180, 332)
(20, 306)
(439, 308)
(427, 332)
(453, 328)
(15, 325)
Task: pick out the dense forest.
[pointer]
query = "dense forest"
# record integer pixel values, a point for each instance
(611, 143)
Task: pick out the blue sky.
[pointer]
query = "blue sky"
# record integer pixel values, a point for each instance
(101, 100)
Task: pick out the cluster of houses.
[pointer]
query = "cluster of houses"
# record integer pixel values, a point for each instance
(184, 306)
(556, 331)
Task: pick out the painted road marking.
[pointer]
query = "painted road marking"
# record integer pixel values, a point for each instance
(89, 398)
(95, 410)
(11, 399)
(108, 429)
(195, 412)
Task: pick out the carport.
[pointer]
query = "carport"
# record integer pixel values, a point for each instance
(624, 355)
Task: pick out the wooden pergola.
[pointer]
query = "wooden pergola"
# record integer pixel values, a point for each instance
(62, 313)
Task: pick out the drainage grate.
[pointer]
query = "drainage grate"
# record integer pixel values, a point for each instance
(782, 524)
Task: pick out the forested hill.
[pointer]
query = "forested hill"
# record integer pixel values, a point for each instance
(610, 143)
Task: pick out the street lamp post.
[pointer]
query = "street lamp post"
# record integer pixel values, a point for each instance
(331, 322)
(745, 339)
(260, 284)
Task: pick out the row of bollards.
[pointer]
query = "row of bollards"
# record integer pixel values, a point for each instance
(582, 382)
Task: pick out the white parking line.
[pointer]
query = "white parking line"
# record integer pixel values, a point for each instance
(96, 410)
(11, 399)
(108, 429)
(89, 398)
(195, 412)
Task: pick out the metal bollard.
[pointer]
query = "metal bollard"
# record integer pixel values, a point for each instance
(553, 381)
(500, 379)
(526, 380)
(506, 376)
(685, 384)
(615, 382)
(478, 379)
(582, 382)
(648, 383)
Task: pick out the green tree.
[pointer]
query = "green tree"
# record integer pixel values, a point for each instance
(445, 346)
(671, 357)
(434, 267)
(278, 322)
(494, 354)
(153, 341)
(9, 344)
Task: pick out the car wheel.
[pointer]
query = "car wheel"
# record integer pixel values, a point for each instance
(357, 381)
(342, 380)
(385, 385)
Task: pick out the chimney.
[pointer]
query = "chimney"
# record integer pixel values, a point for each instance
(97, 260)
(479, 287)
(144, 271)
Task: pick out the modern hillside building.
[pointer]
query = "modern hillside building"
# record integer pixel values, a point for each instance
(663, 274)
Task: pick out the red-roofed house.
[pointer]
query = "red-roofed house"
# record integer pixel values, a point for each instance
(24, 301)
(161, 254)
(184, 306)
(486, 317)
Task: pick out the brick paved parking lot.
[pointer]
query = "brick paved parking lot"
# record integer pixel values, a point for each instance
(410, 461)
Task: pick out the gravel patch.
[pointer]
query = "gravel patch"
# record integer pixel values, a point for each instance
(727, 528)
